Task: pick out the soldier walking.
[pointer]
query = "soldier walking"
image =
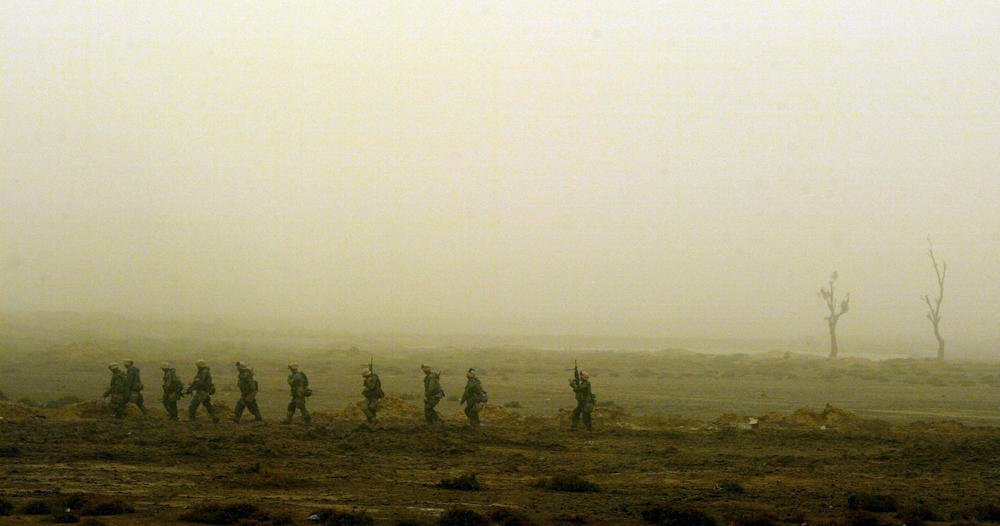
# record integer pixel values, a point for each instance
(116, 391)
(248, 393)
(173, 389)
(133, 386)
(432, 395)
(474, 398)
(585, 400)
(203, 390)
(373, 394)
(299, 385)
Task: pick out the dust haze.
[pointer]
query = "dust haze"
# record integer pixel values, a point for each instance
(619, 170)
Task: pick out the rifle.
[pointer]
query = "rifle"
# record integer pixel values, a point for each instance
(576, 372)
(370, 365)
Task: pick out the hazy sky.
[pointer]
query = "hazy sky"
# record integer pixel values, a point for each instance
(644, 168)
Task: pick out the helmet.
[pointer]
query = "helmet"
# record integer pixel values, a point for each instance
(241, 366)
(113, 365)
(366, 373)
(471, 373)
(200, 363)
(584, 376)
(166, 367)
(127, 363)
(293, 366)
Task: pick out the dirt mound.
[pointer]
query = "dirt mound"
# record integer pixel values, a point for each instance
(390, 409)
(493, 414)
(100, 408)
(496, 414)
(606, 416)
(11, 411)
(938, 426)
(832, 417)
(829, 416)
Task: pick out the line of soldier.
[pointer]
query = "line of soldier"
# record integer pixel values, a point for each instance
(126, 387)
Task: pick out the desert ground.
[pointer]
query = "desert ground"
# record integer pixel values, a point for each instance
(680, 438)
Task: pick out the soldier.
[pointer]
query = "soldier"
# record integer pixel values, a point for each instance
(432, 395)
(585, 400)
(372, 393)
(474, 398)
(300, 391)
(133, 386)
(173, 390)
(248, 393)
(116, 391)
(203, 390)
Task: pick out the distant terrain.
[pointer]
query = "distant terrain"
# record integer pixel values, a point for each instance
(778, 437)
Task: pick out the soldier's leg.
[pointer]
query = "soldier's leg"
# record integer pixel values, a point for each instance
(254, 410)
(193, 407)
(238, 410)
(211, 410)
(171, 405)
(117, 404)
(428, 412)
(586, 420)
(575, 417)
(475, 415)
(306, 417)
(139, 402)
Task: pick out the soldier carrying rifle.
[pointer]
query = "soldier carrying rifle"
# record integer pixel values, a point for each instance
(203, 389)
(173, 390)
(372, 392)
(248, 393)
(432, 395)
(116, 391)
(299, 385)
(585, 398)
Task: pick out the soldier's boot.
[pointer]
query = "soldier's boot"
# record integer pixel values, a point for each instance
(288, 419)
(307, 418)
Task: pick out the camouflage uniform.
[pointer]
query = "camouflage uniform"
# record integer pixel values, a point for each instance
(116, 391)
(203, 390)
(432, 395)
(248, 394)
(474, 399)
(299, 385)
(133, 386)
(585, 401)
(173, 389)
(373, 394)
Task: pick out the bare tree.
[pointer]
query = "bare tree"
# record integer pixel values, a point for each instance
(934, 307)
(829, 297)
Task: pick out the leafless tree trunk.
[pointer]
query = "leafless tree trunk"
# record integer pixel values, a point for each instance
(836, 311)
(934, 307)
